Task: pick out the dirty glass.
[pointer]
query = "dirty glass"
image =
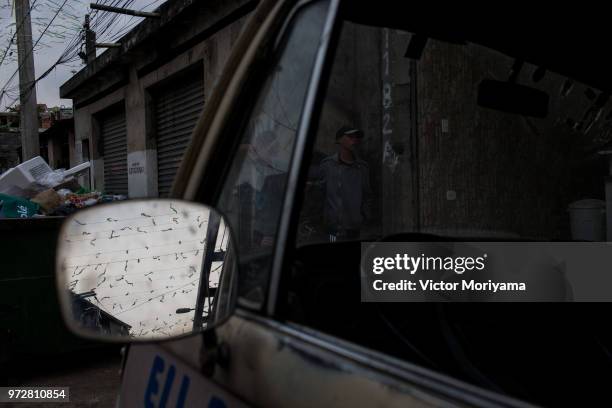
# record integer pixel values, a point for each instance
(137, 268)
(404, 152)
(254, 190)
(438, 163)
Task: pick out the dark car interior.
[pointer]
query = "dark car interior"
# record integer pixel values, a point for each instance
(566, 41)
(552, 354)
(548, 353)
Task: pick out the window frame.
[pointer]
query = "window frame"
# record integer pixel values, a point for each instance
(279, 308)
(306, 135)
(212, 186)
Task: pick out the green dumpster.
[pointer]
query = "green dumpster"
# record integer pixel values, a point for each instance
(30, 318)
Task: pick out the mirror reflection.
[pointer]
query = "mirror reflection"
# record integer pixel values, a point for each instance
(143, 269)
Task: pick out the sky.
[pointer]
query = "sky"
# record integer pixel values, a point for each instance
(59, 35)
(143, 261)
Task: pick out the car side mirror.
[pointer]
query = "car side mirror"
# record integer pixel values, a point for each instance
(145, 270)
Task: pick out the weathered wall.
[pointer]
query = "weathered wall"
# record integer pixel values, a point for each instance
(10, 143)
(399, 155)
(211, 53)
(353, 99)
(442, 164)
(57, 150)
(370, 88)
(486, 170)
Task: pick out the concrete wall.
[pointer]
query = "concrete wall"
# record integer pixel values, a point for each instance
(353, 99)
(10, 144)
(399, 152)
(487, 170)
(212, 53)
(440, 163)
(56, 151)
(370, 88)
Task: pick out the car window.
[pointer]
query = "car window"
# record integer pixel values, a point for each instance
(254, 190)
(404, 151)
(426, 158)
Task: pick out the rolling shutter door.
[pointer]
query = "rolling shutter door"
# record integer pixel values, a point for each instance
(177, 109)
(114, 142)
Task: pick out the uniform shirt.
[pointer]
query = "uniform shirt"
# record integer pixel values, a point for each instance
(347, 193)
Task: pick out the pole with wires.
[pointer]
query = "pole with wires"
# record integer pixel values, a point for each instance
(121, 10)
(27, 93)
(90, 42)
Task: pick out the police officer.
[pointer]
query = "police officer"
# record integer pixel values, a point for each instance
(346, 180)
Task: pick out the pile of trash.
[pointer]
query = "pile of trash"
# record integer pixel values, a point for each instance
(33, 189)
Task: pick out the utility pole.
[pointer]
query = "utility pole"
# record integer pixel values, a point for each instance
(30, 146)
(90, 36)
(90, 42)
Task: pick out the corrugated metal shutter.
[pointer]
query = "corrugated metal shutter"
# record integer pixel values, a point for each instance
(114, 142)
(177, 109)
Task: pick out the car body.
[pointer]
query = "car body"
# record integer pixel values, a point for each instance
(262, 355)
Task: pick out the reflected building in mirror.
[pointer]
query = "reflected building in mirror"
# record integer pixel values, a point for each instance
(94, 319)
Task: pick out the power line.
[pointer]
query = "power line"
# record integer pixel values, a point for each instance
(130, 24)
(32, 49)
(67, 56)
(17, 28)
(71, 51)
(113, 17)
(167, 292)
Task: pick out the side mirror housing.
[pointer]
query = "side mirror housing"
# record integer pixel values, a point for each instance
(145, 270)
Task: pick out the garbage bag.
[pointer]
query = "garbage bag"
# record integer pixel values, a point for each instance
(48, 200)
(15, 207)
(51, 179)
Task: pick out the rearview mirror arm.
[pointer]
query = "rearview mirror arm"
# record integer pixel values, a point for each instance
(203, 290)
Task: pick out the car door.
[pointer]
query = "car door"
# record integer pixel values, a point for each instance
(261, 118)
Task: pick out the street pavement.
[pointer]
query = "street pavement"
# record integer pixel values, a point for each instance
(92, 375)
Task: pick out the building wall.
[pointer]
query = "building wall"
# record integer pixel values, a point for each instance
(398, 149)
(9, 119)
(10, 144)
(370, 89)
(441, 164)
(58, 149)
(486, 170)
(211, 53)
(353, 99)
